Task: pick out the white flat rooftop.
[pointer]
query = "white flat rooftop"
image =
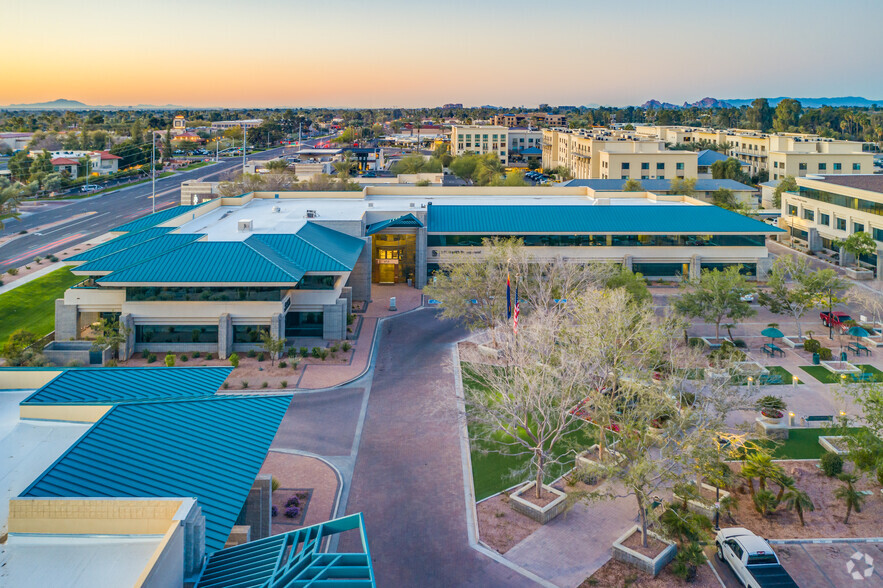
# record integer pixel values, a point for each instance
(65, 560)
(27, 448)
(221, 224)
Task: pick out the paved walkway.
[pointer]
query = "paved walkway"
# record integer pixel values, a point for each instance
(408, 476)
(30, 277)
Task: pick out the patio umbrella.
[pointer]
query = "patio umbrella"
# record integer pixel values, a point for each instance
(772, 333)
(857, 332)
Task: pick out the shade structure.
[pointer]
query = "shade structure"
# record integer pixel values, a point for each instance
(772, 333)
(858, 331)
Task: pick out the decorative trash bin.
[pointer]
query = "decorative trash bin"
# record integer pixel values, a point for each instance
(815, 359)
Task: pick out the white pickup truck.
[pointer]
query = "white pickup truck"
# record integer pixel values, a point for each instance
(752, 559)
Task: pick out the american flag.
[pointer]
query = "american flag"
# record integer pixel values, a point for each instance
(517, 310)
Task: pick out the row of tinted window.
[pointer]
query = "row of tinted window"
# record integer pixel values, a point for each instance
(606, 240)
(859, 204)
(202, 294)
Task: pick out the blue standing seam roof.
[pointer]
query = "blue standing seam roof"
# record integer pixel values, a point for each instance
(205, 262)
(120, 243)
(276, 561)
(151, 220)
(599, 219)
(650, 185)
(113, 385)
(707, 157)
(138, 253)
(210, 449)
(404, 221)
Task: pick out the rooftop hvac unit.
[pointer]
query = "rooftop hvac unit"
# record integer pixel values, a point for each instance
(423, 205)
(276, 209)
(413, 204)
(245, 225)
(370, 205)
(312, 214)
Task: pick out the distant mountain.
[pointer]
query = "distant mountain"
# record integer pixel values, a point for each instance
(65, 104)
(738, 102)
(704, 103)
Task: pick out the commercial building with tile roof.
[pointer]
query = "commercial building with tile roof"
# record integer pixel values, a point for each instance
(828, 209)
(214, 277)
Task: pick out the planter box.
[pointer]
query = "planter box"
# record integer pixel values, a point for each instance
(491, 351)
(773, 431)
(859, 274)
(826, 442)
(840, 367)
(873, 341)
(717, 342)
(750, 368)
(541, 514)
(701, 507)
(651, 566)
(588, 457)
(793, 342)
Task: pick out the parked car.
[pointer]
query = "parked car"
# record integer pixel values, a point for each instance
(837, 320)
(748, 297)
(752, 559)
(90, 188)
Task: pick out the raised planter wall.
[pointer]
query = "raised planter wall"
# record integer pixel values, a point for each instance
(588, 458)
(701, 507)
(793, 342)
(825, 441)
(543, 514)
(858, 274)
(642, 562)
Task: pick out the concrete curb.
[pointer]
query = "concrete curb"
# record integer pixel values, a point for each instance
(466, 463)
(825, 541)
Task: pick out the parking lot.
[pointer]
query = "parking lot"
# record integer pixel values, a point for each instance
(820, 565)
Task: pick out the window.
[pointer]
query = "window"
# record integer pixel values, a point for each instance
(660, 166)
(878, 234)
(680, 166)
(176, 333)
(809, 215)
(645, 177)
(792, 210)
(660, 177)
(625, 177)
(249, 333)
(645, 165)
(625, 165)
(841, 224)
(856, 167)
(823, 166)
(801, 166)
(776, 164)
(858, 228)
(304, 324)
(824, 219)
(316, 282)
(838, 166)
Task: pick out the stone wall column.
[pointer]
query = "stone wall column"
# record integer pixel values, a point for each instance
(814, 240)
(846, 258)
(360, 277)
(880, 264)
(347, 293)
(225, 336)
(628, 262)
(764, 264)
(334, 321)
(127, 321)
(66, 321)
(420, 261)
(695, 267)
(277, 327)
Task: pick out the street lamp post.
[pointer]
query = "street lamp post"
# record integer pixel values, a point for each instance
(153, 168)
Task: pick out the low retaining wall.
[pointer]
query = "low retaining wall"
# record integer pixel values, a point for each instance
(542, 514)
(642, 562)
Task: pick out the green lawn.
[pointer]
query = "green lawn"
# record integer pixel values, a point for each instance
(32, 305)
(775, 370)
(195, 165)
(802, 443)
(828, 377)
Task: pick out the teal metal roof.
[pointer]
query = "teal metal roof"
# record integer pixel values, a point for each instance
(210, 448)
(313, 248)
(205, 262)
(138, 253)
(113, 385)
(120, 243)
(151, 220)
(575, 219)
(404, 221)
(276, 561)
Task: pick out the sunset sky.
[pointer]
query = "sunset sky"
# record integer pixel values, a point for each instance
(414, 53)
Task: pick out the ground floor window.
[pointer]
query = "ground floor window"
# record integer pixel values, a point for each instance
(249, 333)
(799, 233)
(304, 324)
(661, 269)
(746, 269)
(176, 333)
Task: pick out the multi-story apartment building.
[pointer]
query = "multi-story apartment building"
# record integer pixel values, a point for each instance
(524, 143)
(536, 118)
(778, 154)
(826, 209)
(481, 139)
(605, 154)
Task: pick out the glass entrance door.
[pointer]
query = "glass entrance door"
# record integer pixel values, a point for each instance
(393, 258)
(388, 264)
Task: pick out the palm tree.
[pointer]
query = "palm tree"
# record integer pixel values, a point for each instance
(278, 165)
(849, 495)
(759, 465)
(784, 481)
(345, 166)
(765, 502)
(799, 501)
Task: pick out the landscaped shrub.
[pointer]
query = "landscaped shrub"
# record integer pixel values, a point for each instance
(825, 354)
(52, 258)
(323, 354)
(740, 343)
(196, 355)
(274, 511)
(283, 384)
(225, 385)
(831, 464)
(812, 345)
(38, 260)
(274, 483)
(111, 363)
(695, 342)
(317, 352)
(283, 364)
(346, 346)
(261, 357)
(304, 352)
(209, 356)
(350, 318)
(294, 364)
(184, 358)
(291, 352)
(151, 358)
(234, 360)
(292, 501)
(264, 384)
(244, 384)
(251, 353)
(170, 360)
(335, 348)
(13, 271)
(292, 512)
(145, 354)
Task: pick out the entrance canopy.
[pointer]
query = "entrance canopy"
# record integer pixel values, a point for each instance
(400, 222)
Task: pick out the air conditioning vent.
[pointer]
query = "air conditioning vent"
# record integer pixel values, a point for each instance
(245, 225)
(370, 205)
(413, 205)
(312, 214)
(276, 209)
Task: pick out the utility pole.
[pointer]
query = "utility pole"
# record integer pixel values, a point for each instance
(153, 166)
(243, 147)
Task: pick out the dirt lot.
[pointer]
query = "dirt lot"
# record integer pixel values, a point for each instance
(501, 527)
(827, 519)
(616, 574)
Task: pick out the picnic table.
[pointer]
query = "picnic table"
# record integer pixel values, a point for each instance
(857, 348)
(769, 379)
(863, 377)
(772, 349)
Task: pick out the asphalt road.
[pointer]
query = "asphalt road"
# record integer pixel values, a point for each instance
(81, 220)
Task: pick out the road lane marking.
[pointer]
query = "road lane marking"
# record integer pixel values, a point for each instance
(33, 252)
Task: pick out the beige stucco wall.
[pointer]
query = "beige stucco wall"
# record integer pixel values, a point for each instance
(85, 516)
(81, 413)
(26, 379)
